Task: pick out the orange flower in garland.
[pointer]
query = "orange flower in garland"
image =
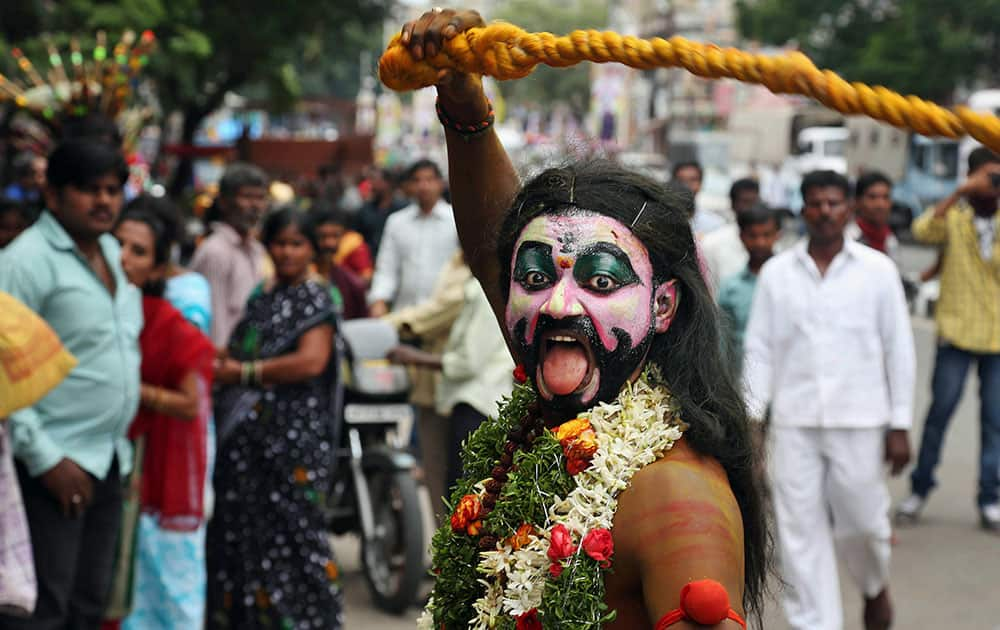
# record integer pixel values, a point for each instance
(466, 517)
(522, 537)
(579, 442)
(569, 431)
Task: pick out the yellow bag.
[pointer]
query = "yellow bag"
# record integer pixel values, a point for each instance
(32, 359)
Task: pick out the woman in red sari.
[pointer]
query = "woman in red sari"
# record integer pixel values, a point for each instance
(171, 428)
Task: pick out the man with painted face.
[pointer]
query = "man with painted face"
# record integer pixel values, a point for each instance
(592, 273)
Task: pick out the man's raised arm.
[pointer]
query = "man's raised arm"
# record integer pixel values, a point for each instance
(482, 178)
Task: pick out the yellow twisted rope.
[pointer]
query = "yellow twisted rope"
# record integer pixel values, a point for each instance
(505, 51)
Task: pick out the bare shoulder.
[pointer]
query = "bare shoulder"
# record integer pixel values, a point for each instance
(682, 474)
(678, 522)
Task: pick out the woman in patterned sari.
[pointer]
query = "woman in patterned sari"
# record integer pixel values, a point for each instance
(269, 561)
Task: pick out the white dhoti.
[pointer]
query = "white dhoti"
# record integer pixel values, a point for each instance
(829, 493)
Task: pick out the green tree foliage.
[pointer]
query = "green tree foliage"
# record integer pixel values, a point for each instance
(209, 47)
(922, 47)
(546, 86)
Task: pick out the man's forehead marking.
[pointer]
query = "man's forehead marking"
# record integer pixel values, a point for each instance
(567, 242)
(564, 231)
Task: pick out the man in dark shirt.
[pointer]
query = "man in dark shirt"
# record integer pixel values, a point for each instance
(372, 215)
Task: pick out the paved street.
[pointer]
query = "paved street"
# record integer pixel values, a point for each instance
(946, 572)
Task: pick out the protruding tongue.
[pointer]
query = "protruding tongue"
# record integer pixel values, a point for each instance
(564, 368)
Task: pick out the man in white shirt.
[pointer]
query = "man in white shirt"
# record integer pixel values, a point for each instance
(722, 249)
(829, 346)
(417, 243)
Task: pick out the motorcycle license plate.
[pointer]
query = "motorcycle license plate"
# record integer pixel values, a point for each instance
(378, 414)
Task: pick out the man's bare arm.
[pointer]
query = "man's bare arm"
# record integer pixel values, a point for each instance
(679, 522)
(483, 180)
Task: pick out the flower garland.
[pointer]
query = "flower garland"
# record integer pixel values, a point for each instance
(530, 545)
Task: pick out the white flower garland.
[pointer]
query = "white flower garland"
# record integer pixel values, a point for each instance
(632, 432)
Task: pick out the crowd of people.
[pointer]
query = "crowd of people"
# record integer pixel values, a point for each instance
(822, 336)
(176, 476)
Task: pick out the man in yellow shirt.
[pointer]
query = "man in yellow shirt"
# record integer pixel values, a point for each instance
(964, 225)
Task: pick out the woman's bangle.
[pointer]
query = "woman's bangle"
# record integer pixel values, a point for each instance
(245, 377)
(258, 372)
(467, 131)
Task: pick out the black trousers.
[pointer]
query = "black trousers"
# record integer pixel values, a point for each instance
(74, 557)
(464, 420)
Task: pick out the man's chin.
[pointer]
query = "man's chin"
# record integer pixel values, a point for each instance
(564, 407)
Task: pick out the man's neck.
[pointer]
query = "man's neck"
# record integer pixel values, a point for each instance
(90, 247)
(984, 208)
(755, 265)
(243, 233)
(323, 263)
(427, 209)
(823, 252)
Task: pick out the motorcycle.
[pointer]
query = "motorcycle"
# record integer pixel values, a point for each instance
(374, 492)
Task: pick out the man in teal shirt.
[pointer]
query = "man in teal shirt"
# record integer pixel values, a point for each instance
(760, 229)
(70, 447)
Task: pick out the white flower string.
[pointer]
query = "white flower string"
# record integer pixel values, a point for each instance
(632, 432)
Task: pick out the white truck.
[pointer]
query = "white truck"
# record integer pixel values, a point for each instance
(783, 141)
(768, 136)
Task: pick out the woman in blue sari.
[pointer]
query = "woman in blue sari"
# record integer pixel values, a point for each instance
(270, 564)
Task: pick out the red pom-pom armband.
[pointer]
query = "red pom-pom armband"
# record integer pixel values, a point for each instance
(704, 602)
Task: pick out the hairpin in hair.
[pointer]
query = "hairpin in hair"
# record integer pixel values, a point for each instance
(641, 210)
(519, 208)
(572, 188)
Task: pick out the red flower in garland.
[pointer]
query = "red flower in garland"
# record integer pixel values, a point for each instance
(520, 375)
(576, 466)
(529, 620)
(599, 545)
(560, 546)
(466, 515)
(560, 543)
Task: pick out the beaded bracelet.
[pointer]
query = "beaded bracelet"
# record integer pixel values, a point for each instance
(467, 131)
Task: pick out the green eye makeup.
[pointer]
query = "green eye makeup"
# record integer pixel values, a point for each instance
(534, 267)
(606, 264)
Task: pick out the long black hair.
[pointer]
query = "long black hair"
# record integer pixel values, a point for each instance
(276, 222)
(139, 211)
(690, 354)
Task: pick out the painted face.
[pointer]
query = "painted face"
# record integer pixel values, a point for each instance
(583, 307)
